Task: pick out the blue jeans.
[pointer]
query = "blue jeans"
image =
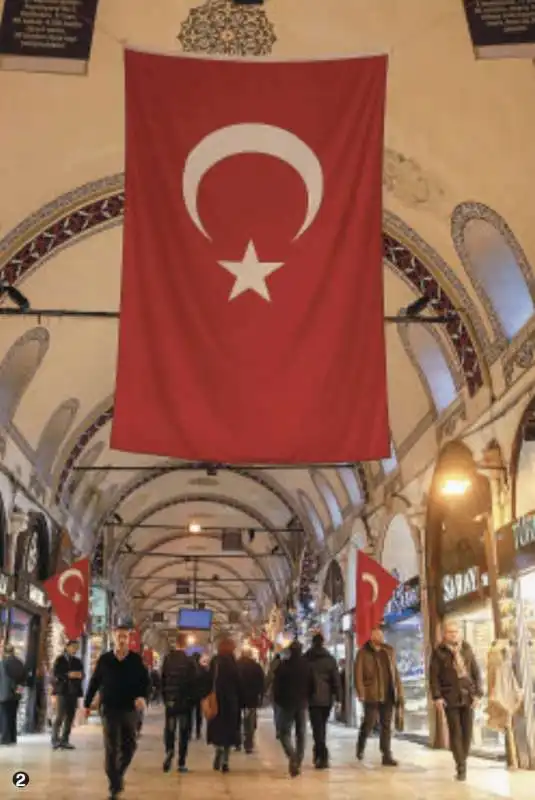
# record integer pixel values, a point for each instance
(287, 720)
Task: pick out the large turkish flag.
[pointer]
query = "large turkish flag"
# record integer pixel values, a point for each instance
(251, 323)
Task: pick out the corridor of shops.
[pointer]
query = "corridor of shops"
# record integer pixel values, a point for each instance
(423, 773)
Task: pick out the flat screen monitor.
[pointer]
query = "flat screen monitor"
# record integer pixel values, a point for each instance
(194, 619)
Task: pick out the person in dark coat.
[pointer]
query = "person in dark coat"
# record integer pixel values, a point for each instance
(180, 692)
(224, 678)
(68, 677)
(252, 682)
(456, 688)
(293, 686)
(12, 678)
(378, 687)
(327, 692)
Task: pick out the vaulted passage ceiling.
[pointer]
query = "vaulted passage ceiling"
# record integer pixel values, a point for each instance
(457, 228)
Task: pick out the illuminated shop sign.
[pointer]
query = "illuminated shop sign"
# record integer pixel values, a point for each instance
(4, 584)
(405, 601)
(463, 583)
(524, 532)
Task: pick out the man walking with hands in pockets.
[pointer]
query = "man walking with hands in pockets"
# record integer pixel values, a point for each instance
(123, 683)
(456, 688)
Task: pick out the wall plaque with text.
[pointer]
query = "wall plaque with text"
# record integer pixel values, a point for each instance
(47, 35)
(501, 28)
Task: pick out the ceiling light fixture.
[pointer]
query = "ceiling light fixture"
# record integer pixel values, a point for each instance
(194, 527)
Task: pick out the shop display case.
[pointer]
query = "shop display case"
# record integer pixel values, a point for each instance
(19, 633)
(407, 638)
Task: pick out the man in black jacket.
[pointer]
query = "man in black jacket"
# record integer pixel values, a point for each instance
(123, 683)
(293, 685)
(252, 681)
(180, 691)
(67, 688)
(456, 688)
(12, 678)
(327, 691)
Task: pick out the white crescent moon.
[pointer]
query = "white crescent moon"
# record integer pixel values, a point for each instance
(68, 574)
(252, 138)
(372, 580)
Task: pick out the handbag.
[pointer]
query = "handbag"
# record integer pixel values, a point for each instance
(209, 705)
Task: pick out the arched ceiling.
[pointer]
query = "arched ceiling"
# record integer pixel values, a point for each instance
(454, 135)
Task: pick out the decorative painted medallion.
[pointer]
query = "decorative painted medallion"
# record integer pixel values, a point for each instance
(221, 28)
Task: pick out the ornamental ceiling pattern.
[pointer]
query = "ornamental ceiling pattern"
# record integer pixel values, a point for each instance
(219, 27)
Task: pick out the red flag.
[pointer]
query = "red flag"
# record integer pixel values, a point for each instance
(251, 324)
(68, 591)
(375, 587)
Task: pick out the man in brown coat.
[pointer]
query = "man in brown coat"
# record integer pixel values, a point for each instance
(378, 687)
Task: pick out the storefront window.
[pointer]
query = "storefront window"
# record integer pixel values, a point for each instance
(407, 638)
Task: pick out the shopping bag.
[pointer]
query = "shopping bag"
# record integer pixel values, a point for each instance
(209, 705)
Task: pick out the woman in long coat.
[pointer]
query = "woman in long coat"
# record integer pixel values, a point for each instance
(223, 731)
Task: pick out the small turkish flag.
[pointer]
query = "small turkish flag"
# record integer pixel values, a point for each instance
(375, 587)
(68, 591)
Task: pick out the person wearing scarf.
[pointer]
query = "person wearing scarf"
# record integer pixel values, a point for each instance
(456, 688)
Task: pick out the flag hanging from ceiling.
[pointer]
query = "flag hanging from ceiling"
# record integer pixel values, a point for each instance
(375, 587)
(251, 324)
(68, 592)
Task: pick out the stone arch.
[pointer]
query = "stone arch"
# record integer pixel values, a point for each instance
(208, 498)
(351, 483)
(53, 435)
(314, 517)
(497, 266)
(18, 368)
(435, 365)
(328, 495)
(88, 460)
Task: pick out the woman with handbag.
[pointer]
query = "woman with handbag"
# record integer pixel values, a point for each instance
(222, 705)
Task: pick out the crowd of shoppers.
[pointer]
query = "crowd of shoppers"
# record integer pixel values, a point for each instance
(228, 693)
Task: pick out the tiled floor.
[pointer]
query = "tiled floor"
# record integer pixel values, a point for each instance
(423, 775)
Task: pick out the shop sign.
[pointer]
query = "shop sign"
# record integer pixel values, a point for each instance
(524, 532)
(405, 601)
(463, 584)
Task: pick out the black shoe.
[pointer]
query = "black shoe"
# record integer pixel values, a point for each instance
(293, 768)
(461, 774)
(217, 762)
(55, 746)
(225, 768)
(167, 762)
(249, 752)
(182, 769)
(67, 746)
(389, 761)
(360, 754)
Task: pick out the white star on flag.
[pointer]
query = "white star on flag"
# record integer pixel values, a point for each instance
(250, 273)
